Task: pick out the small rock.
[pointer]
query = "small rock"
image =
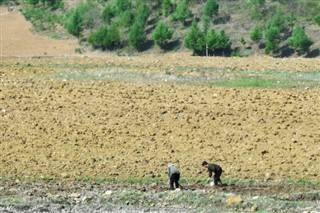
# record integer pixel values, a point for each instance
(153, 185)
(234, 200)
(65, 175)
(86, 199)
(254, 208)
(74, 195)
(108, 193)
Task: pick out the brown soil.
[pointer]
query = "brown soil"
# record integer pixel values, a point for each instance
(83, 128)
(18, 40)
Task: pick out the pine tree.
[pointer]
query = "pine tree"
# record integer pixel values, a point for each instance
(273, 39)
(162, 34)
(300, 41)
(137, 35)
(317, 19)
(182, 12)
(256, 34)
(211, 8)
(75, 23)
(167, 7)
(195, 40)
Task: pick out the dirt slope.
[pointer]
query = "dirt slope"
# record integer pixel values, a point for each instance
(18, 40)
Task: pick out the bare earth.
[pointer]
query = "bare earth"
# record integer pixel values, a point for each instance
(53, 126)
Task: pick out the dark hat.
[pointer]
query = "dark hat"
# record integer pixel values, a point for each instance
(204, 163)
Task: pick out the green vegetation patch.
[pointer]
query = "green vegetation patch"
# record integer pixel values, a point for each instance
(255, 82)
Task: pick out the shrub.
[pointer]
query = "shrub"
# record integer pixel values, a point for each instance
(96, 38)
(75, 23)
(108, 13)
(273, 39)
(195, 40)
(105, 38)
(300, 41)
(182, 12)
(211, 8)
(277, 20)
(167, 7)
(243, 41)
(33, 2)
(256, 34)
(161, 35)
(122, 5)
(218, 43)
(317, 19)
(256, 7)
(125, 19)
(143, 12)
(291, 20)
(137, 35)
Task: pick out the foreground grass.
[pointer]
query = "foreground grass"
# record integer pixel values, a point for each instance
(144, 193)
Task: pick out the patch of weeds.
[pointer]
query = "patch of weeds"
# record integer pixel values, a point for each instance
(132, 197)
(78, 50)
(98, 179)
(11, 200)
(47, 179)
(254, 82)
(303, 182)
(133, 180)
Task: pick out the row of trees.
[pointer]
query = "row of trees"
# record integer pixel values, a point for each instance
(118, 24)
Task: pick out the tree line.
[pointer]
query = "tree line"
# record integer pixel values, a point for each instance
(137, 25)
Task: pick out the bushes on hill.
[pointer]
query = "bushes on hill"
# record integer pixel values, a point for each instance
(123, 23)
(162, 34)
(317, 19)
(75, 23)
(256, 34)
(195, 40)
(211, 8)
(182, 12)
(167, 7)
(218, 44)
(137, 35)
(300, 41)
(105, 38)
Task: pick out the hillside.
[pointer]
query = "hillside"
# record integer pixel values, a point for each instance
(18, 39)
(109, 25)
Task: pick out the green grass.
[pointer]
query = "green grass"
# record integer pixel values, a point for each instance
(133, 180)
(11, 200)
(98, 179)
(303, 182)
(248, 79)
(209, 76)
(255, 82)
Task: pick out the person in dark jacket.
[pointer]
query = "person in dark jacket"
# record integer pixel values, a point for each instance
(216, 169)
(174, 176)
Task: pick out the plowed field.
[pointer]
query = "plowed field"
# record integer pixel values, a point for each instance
(67, 118)
(103, 115)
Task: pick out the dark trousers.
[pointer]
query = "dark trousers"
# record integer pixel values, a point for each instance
(216, 177)
(174, 179)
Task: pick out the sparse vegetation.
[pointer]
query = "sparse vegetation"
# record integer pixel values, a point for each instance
(136, 22)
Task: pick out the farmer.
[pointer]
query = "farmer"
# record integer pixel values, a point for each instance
(216, 169)
(174, 176)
